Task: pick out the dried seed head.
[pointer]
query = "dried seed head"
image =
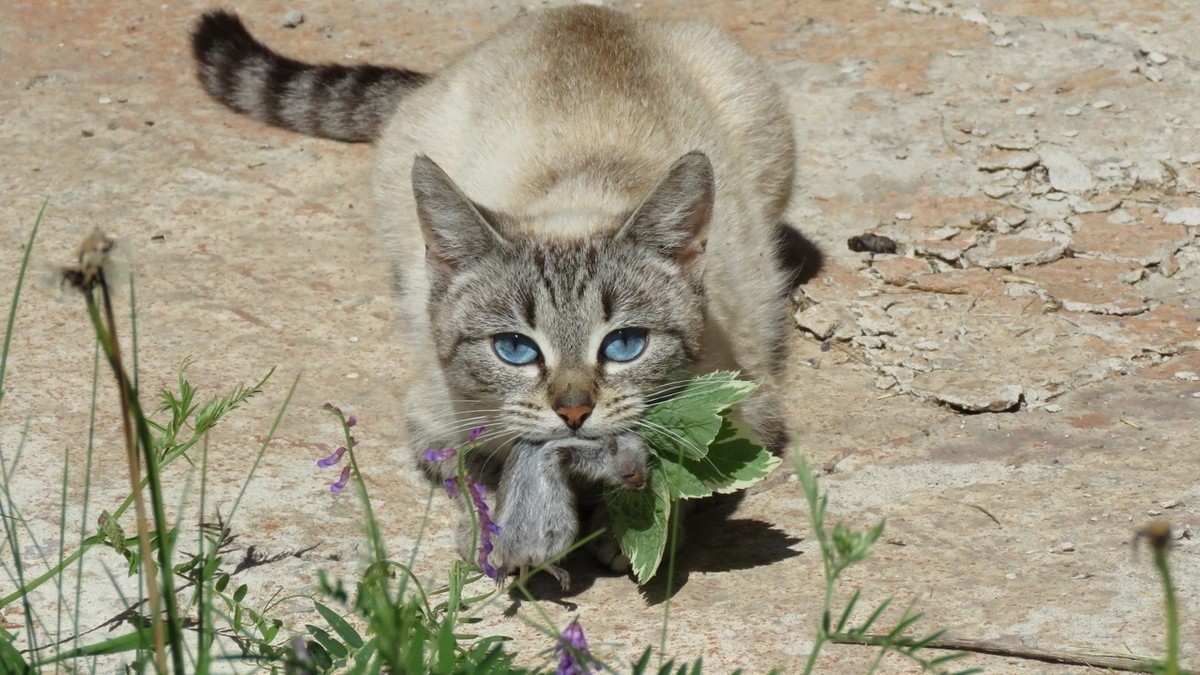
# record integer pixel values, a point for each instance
(93, 257)
(1157, 533)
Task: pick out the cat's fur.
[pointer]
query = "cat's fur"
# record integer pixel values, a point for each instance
(578, 172)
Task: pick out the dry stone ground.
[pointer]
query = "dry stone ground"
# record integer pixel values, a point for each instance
(1016, 389)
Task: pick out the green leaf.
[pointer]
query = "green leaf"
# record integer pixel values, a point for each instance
(10, 658)
(140, 639)
(686, 423)
(639, 521)
(336, 649)
(681, 479)
(734, 462)
(112, 533)
(339, 625)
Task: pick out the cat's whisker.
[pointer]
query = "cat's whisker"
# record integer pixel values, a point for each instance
(671, 434)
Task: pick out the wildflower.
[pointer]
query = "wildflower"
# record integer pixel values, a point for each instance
(574, 651)
(442, 455)
(341, 482)
(487, 529)
(476, 433)
(451, 485)
(332, 459)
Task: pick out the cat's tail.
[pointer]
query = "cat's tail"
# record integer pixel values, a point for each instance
(345, 103)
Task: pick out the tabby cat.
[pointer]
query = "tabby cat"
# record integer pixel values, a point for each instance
(582, 212)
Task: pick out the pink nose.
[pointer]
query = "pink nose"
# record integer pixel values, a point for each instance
(575, 415)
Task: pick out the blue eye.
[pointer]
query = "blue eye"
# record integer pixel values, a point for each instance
(515, 349)
(624, 344)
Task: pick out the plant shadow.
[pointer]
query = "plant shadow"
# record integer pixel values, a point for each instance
(717, 542)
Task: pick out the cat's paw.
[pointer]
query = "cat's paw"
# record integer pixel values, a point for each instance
(607, 552)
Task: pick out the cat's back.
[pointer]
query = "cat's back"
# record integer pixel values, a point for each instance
(561, 86)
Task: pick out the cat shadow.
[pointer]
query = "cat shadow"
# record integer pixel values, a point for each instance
(717, 542)
(797, 255)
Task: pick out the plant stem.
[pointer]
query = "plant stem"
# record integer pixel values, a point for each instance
(1164, 571)
(112, 353)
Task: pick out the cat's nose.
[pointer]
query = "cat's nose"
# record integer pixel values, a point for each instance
(574, 415)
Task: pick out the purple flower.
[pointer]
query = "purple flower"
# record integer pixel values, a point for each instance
(332, 459)
(351, 420)
(442, 455)
(341, 482)
(574, 651)
(487, 529)
(451, 485)
(476, 433)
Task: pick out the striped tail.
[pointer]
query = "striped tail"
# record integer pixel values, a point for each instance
(345, 103)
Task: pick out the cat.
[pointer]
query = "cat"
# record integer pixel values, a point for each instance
(582, 210)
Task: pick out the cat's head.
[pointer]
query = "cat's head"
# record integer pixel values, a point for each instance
(550, 337)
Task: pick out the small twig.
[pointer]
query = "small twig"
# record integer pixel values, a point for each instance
(1112, 662)
(986, 513)
(915, 286)
(1132, 424)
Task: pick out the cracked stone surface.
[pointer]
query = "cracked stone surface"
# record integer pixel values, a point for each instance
(1035, 160)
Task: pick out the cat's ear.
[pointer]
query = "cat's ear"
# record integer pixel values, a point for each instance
(455, 230)
(673, 219)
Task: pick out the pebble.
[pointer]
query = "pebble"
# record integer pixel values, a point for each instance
(1014, 143)
(956, 53)
(1151, 73)
(1053, 408)
(104, 100)
(973, 15)
(1189, 215)
(1020, 160)
(1023, 86)
(1193, 158)
(1067, 173)
(292, 19)
(1101, 104)
(903, 215)
(998, 29)
(106, 53)
(1072, 111)
(1011, 576)
(1070, 133)
(354, 338)
(1154, 512)
(1027, 111)
(1003, 42)
(1186, 375)
(997, 191)
(1169, 504)
(1067, 546)
(1157, 58)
